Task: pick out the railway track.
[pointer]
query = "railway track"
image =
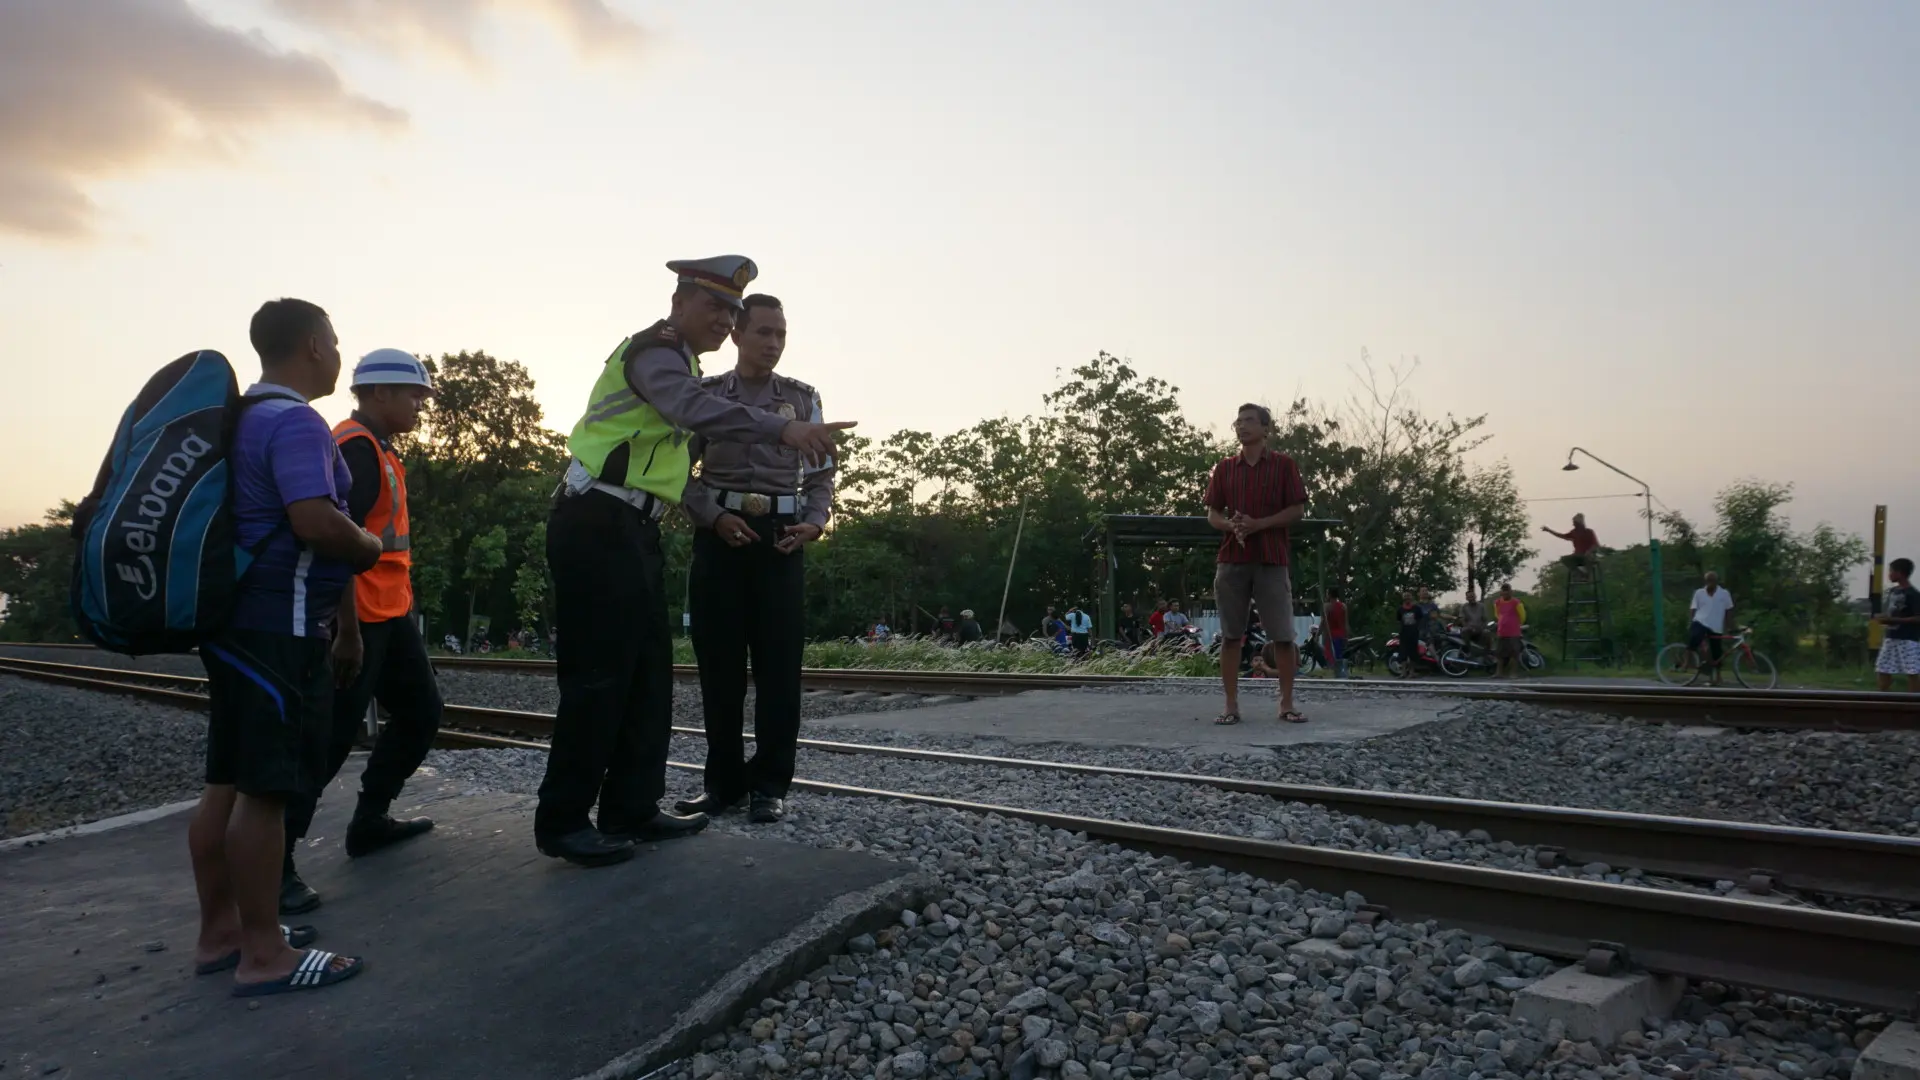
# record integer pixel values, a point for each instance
(1800, 950)
(1831, 710)
(1763, 858)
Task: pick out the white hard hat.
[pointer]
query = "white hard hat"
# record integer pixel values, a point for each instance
(390, 367)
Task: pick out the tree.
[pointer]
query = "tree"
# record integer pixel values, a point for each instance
(36, 572)
(481, 459)
(1406, 496)
(486, 556)
(530, 581)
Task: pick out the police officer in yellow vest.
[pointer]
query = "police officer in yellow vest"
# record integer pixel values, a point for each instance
(615, 665)
(757, 508)
(378, 652)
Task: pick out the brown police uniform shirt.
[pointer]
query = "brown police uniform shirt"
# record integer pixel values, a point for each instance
(753, 467)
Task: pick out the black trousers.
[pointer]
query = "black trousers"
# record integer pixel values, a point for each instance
(396, 672)
(614, 657)
(749, 602)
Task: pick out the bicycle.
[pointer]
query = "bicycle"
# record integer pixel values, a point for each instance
(1751, 668)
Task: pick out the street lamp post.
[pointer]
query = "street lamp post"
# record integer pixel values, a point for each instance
(1653, 545)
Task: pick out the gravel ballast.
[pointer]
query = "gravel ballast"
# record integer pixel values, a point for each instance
(71, 756)
(1055, 956)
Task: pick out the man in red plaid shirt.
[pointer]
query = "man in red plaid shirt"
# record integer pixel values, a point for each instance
(1252, 497)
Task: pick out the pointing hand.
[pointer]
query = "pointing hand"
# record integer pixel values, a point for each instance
(816, 442)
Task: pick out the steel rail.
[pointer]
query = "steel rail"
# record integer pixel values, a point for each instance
(1832, 710)
(1760, 856)
(1836, 710)
(1821, 954)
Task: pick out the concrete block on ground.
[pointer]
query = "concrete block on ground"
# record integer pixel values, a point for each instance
(1597, 1008)
(1895, 1055)
(484, 958)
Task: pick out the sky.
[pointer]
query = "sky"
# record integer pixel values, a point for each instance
(1681, 236)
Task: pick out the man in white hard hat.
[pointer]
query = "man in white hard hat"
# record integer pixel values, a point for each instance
(377, 648)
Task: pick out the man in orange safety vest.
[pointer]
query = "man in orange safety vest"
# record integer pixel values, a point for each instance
(378, 652)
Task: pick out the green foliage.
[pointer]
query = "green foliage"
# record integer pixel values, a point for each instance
(924, 521)
(530, 581)
(481, 468)
(1790, 587)
(36, 568)
(1407, 497)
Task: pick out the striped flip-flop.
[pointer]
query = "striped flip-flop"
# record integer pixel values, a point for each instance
(297, 936)
(314, 971)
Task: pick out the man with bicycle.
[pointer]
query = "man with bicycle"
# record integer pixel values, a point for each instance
(1708, 622)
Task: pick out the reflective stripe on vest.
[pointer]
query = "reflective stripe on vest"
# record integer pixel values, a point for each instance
(658, 458)
(385, 591)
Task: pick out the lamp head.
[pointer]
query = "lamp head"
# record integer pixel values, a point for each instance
(1569, 467)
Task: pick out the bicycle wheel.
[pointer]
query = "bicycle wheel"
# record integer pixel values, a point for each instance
(1455, 663)
(1753, 670)
(1677, 666)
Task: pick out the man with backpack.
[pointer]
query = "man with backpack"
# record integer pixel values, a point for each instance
(377, 650)
(269, 674)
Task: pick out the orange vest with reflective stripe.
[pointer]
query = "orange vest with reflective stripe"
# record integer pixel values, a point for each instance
(386, 591)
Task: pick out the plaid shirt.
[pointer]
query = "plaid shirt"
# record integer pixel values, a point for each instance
(1256, 490)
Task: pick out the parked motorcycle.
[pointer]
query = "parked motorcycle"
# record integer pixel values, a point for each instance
(1426, 658)
(1459, 659)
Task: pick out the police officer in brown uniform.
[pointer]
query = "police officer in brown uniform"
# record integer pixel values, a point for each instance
(756, 506)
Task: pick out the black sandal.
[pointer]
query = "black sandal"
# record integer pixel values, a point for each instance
(1227, 718)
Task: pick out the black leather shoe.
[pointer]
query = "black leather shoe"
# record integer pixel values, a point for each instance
(368, 835)
(296, 896)
(586, 847)
(707, 803)
(767, 809)
(661, 826)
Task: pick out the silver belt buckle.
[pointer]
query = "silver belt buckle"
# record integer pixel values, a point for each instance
(755, 504)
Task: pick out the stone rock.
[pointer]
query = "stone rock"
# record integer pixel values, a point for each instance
(1029, 999)
(909, 1065)
(1035, 1028)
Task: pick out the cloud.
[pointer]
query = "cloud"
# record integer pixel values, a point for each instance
(95, 88)
(450, 25)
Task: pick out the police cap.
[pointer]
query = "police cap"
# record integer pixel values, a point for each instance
(725, 276)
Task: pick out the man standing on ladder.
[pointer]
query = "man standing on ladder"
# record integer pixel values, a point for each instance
(630, 461)
(756, 508)
(378, 652)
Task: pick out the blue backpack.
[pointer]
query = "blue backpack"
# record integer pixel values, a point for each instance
(157, 567)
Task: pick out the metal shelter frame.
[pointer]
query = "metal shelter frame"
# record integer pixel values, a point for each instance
(1138, 531)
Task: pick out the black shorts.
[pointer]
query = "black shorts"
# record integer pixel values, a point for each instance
(272, 712)
(1697, 633)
